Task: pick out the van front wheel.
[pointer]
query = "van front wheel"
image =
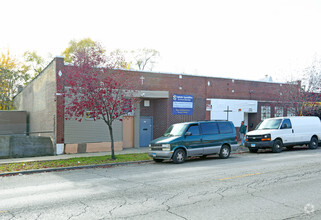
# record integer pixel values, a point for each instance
(313, 143)
(225, 152)
(179, 156)
(277, 146)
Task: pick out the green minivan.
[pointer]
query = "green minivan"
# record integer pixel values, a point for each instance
(200, 138)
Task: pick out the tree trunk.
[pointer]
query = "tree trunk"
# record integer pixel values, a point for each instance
(112, 142)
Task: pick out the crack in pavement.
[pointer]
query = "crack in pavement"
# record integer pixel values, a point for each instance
(133, 216)
(12, 215)
(220, 192)
(83, 212)
(168, 210)
(168, 207)
(117, 207)
(303, 215)
(38, 216)
(271, 200)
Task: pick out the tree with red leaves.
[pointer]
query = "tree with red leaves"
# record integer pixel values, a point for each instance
(95, 87)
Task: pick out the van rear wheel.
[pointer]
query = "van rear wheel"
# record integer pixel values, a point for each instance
(179, 156)
(313, 143)
(225, 152)
(277, 146)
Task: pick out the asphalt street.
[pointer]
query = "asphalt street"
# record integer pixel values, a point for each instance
(245, 186)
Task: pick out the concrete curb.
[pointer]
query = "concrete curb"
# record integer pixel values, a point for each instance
(71, 168)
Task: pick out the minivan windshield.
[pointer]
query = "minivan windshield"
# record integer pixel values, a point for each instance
(175, 130)
(270, 124)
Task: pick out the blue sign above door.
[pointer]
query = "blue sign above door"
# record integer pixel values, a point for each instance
(182, 104)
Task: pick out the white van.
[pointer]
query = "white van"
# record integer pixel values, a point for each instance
(285, 131)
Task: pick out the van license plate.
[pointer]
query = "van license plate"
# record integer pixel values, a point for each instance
(252, 145)
(154, 154)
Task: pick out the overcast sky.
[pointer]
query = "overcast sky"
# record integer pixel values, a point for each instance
(243, 39)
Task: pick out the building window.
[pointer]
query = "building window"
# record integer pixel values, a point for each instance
(146, 103)
(291, 111)
(265, 112)
(278, 111)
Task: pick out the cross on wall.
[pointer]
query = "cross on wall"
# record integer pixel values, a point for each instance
(142, 79)
(227, 111)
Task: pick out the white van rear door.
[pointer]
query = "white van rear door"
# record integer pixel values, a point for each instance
(305, 127)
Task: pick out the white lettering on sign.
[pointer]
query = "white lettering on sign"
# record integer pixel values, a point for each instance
(182, 105)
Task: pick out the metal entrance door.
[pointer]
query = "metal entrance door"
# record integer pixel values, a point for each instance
(146, 131)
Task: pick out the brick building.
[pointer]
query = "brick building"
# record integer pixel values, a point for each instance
(165, 99)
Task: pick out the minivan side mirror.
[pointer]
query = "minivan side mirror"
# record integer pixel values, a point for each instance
(188, 133)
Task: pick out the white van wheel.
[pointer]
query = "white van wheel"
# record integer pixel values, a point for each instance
(277, 146)
(313, 143)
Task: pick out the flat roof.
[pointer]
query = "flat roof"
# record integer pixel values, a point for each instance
(207, 76)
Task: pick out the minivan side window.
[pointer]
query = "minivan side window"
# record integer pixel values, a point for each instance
(225, 127)
(209, 128)
(194, 129)
(286, 124)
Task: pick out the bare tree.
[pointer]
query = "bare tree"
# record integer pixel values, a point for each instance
(312, 77)
(145, 58)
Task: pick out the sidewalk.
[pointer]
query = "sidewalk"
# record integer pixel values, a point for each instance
(68, 156)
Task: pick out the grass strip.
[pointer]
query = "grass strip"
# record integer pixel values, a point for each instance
(73, 162)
